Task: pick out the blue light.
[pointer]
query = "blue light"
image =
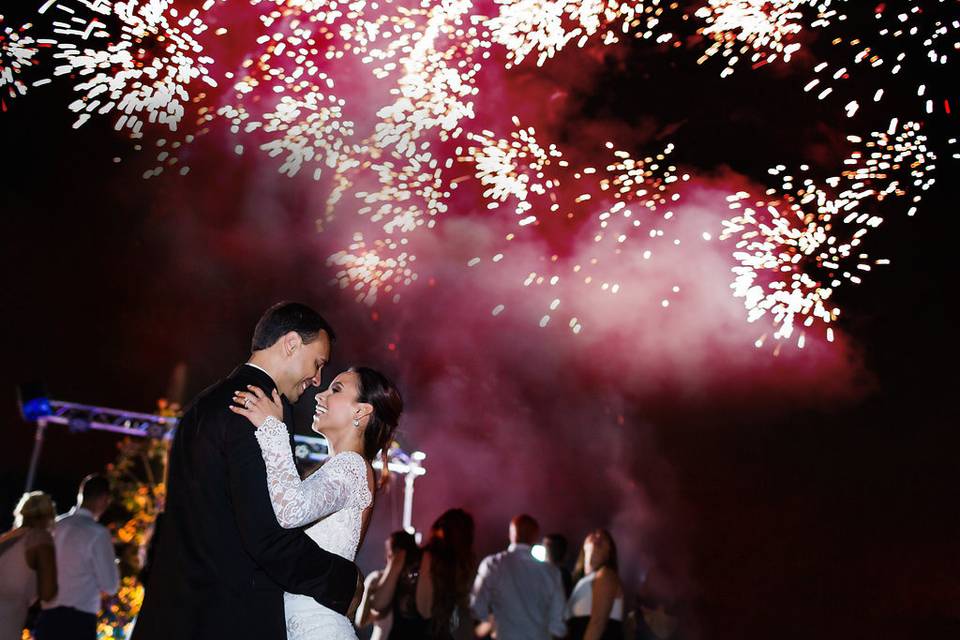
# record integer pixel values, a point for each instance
(36, 408)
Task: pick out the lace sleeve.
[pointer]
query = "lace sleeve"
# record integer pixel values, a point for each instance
(299, 502)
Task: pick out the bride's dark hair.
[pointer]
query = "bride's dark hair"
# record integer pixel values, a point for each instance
(378, 391)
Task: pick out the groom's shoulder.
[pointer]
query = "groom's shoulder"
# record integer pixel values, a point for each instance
(216, 396)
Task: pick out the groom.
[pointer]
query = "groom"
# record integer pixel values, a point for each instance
(221, 562)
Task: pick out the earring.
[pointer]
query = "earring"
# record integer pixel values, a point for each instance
(356, 423)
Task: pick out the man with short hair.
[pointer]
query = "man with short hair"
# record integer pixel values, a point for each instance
(524, 595)
(221, 562)
(86, 567)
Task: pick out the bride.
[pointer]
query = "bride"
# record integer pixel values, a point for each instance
(357, 414)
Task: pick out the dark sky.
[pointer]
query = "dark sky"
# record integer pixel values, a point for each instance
(813, 495)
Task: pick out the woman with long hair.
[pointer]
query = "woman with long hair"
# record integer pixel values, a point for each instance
(358, 415)
(28, 564)
(430, 598)
(382, 621)
(595, 608)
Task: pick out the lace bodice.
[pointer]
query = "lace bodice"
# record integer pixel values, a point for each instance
(333, 498)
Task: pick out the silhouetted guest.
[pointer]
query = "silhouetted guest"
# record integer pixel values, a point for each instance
(595, 608)
(86, 567)
(28, 568)
(556, 547)
(396, 542)
(429, 598)
(524, 595)
(657, 614)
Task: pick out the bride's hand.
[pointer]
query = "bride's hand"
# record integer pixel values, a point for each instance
(255, 406)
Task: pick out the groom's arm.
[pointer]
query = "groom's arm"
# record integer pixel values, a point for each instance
(289, 557)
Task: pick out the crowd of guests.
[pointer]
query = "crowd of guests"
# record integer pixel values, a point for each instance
(65, 564)
(439, 592)
(55, 570)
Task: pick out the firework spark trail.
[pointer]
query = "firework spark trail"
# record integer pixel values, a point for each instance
(146, 68)
(880, 54)
(17, 52)
(513, 168)
(796, 249)
(764, 30)
(399, 179)
(367, 270)
(894, 162)
(435, 91)
(642, 191)
(314, 138)
(547, 26)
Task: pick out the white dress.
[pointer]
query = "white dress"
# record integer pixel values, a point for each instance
(333, 499)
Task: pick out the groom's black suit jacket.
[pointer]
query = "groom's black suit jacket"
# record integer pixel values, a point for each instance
(221, 562)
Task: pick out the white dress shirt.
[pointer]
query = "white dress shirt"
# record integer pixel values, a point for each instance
(524, 595)
(86, 563)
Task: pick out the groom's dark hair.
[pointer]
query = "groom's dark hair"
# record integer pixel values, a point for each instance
(284, 317)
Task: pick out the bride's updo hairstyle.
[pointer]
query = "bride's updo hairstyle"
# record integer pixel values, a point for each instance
(378, 391)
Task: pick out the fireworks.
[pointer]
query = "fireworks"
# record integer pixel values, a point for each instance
(925, 37)
(434, 93)
(17, 52)
(761, 29)
(313, 132)
(368, 270)
(796, 249)
(379, 101)
(547, 26)
(513, 168)
(621, 206)
(147, 68)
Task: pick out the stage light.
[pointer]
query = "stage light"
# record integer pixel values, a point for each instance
(419, 456)
(33, 401)
(539, 552)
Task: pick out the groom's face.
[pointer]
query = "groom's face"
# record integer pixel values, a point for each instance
(305, 363)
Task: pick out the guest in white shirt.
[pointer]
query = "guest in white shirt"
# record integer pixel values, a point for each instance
(524, 595)
(86, 567)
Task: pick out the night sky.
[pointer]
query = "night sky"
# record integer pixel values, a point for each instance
(808, 495)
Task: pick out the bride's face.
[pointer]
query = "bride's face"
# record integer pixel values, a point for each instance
(337, 405)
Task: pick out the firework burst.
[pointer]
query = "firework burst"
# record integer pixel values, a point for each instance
(545, 27)
(311, 131)
(758, 30)
(513, 168)
(146, 71)
(795, 249)
(18, 51)
(370, 270)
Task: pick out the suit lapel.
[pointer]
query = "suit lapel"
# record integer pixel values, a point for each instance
(255, 376)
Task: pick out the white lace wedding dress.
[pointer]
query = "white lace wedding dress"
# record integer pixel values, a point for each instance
(334, 499)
